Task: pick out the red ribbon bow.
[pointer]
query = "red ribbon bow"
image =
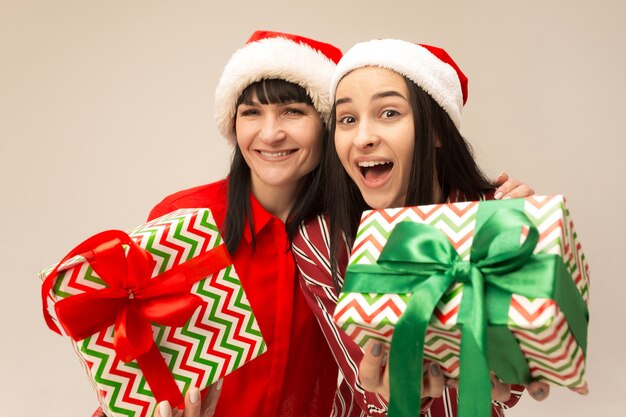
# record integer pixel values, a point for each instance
(132, 300)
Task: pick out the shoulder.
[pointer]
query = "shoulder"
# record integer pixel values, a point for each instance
(313, 233)
(213, 196)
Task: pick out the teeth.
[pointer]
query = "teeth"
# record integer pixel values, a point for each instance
(367, 164)
(274, 154)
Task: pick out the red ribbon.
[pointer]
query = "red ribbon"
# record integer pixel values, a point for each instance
(132, 300)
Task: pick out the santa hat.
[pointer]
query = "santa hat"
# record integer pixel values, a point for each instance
(274, 55)
(429, 67)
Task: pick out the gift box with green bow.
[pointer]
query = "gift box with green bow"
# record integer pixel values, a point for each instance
(152, 312)
(478, 287)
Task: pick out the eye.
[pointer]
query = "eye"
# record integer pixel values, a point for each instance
(293, 111)
(388, 114)
(346, 120)
(248, 111)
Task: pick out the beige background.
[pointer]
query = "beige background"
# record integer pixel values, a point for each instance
(106, 107)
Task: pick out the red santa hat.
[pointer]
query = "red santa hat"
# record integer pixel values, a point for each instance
(429, 67)
(274, 55)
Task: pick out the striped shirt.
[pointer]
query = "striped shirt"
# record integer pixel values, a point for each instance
(311, 248)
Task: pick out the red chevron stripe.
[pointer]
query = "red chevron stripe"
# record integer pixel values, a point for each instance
(562, 357)
(444, 318)
(386, 215)
(206, 237)
(530, 316)
(554, 226)
(460, 209)
(461, 241)
(167, 240)
(241, 318)
(356, 334)
(444, 347)
(539, 204)
(186, 361)
(238, 332)
(127, 393)
(370, 239)
(75, 276)
(539, 339)
(367, 318)
(212, 341)
(576, 370)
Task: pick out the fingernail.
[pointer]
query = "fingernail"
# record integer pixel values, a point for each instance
(218, 384)
(164, 409)
(507, 197)
(497, 195)
(501, 174)
(377, 349)
(434, 369)
(539, 394)
(194, 395)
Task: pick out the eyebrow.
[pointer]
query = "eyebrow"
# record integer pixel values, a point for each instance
(390, 93)
(377, 96)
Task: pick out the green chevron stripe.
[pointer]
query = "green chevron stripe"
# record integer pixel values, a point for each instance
(197, 357)
(207, 222)
(56, 288)
(540, 216)
(228, 325)
(378, 225)
(98, 376)
(150, 238)
(193, 244)
(371, 259)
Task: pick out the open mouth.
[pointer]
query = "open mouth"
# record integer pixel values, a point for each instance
(375, 170)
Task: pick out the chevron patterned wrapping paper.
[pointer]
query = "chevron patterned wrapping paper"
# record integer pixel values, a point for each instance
(539, 326)
(221, 335)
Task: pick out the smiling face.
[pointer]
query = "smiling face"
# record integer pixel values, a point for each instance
(281, 143)
(375, 135)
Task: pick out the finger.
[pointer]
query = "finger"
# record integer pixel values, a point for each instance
(520, 191)
(584, 390)
(210, 401)
(370, 368)
(501, 179)
(499, 391)
(192, 403)
(452, 383)
(163, 410)
(538, 390)
(434, 382)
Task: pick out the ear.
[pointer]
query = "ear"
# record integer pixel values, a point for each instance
(437, 141)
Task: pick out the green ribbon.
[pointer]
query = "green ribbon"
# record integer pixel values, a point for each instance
(419, 259)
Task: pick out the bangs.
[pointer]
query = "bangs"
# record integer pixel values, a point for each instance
(274, 91)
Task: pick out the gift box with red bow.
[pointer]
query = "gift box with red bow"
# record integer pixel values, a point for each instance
(152, 312)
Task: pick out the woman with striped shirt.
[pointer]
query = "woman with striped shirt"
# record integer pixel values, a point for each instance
(395, 129)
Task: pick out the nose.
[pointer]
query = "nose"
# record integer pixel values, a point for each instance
(366, 136)
(272, 129)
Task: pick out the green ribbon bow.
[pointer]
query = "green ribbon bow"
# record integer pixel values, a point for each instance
(419, 259)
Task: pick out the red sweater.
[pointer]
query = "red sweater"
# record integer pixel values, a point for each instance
(297, 375)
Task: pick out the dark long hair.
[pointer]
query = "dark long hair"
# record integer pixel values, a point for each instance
(453, 161)
(308, 202)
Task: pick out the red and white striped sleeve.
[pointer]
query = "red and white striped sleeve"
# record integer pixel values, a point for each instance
(311, 247)
(311, 250)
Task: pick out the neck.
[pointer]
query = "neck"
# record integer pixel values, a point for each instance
(277, 200)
